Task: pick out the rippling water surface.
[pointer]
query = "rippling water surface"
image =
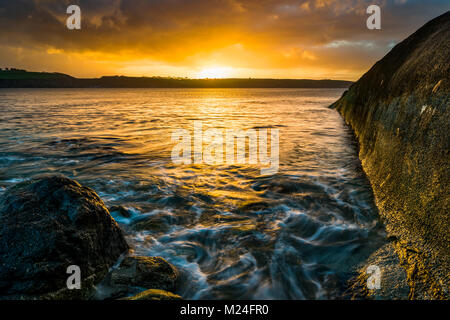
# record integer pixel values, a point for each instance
(232, 232)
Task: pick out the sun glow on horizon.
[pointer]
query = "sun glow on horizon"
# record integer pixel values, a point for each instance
(215, 73)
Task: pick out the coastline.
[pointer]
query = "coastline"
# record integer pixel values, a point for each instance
(24, 79)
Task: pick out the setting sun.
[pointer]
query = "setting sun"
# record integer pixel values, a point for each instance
(215, 72)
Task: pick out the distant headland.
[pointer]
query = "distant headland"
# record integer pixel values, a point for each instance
(17, 78)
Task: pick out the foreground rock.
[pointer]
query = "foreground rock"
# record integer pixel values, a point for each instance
(47, 225)
(147, 272)
(135, 274)
(399, 111)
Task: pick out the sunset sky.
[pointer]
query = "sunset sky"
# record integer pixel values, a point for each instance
(207, 38)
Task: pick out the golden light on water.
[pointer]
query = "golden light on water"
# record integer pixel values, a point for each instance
(225, 221)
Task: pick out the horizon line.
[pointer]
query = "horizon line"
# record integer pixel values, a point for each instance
(12, 69)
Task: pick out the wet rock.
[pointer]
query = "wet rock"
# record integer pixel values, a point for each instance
(399, 111)
(159, 222)
(145, 272)
(154, 294)
(124, 212)
(48, 224)
(393, 280)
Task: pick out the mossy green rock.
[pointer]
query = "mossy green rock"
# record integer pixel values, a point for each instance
(399, 111)
(154, 294)
(47, 225)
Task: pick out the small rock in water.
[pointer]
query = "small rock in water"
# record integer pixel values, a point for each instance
(159, 222)
(154, 294)
(145, 272)
(124, 212)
